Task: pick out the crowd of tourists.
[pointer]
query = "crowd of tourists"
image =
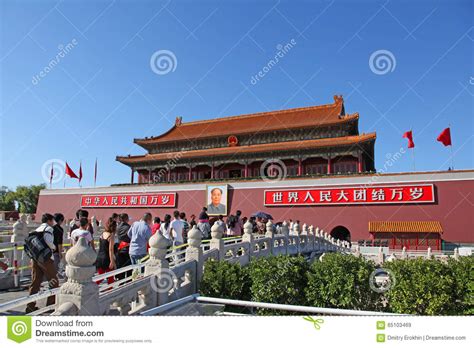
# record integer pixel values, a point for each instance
(120, 244)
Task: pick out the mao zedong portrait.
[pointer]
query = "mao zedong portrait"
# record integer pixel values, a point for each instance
(216, 207)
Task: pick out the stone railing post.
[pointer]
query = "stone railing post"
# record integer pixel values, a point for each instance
(381, 256)
(194, 252)
(217, 230)
(428, 253)
(456, 254)
(327, 242)
(357, 250)
(296, 232)
(317, 240)
(404, 253)
(311, 238)
(285, 231)
(29, 220)
(79, 295)
(269, 234)
(304, 238)
(248, 237)
(158, 267)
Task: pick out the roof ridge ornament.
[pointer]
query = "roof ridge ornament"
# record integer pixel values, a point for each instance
(338, 98)
(178, 121)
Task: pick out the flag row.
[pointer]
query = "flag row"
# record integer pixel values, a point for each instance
(69, 172)
(444, 137)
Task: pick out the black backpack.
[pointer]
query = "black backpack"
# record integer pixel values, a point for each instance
(36, 247)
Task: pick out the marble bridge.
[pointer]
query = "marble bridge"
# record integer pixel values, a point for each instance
(167, 274)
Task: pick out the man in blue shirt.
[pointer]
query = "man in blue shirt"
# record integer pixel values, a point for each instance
(139, 234)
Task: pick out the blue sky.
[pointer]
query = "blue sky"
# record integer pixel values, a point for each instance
(103, 92)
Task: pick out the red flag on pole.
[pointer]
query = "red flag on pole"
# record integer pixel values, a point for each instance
(70, 172)
(95, 172)
(409, 136)
(445, 137)
(80, 172)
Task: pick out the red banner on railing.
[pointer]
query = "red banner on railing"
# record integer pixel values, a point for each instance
(155, 200)
(351, 195)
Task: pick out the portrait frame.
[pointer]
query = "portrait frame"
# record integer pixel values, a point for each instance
(212, 210)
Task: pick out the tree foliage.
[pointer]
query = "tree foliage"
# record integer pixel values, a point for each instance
(7, 201)
(25, 198)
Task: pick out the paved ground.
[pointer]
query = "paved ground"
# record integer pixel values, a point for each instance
(13, 294)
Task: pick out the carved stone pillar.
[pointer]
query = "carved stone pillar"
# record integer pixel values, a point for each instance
(194, 252)
(248, 236)
(269, 234)
(158, 267)
(286, 232)
(80, 295)
(217, 230)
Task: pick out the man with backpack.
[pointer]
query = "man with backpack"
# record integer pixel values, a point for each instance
(39, 246)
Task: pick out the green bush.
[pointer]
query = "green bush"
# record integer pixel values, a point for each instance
(423, 287)
(463, 272)
(223, 279)
(342, 281)
(280, 279)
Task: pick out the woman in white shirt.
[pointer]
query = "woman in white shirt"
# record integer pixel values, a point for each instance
(165, 227)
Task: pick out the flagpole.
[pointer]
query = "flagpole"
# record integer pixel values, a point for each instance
(413, 151)
(51, 176)
(451, 147)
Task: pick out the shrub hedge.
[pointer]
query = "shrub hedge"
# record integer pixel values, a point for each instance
(342, 281)
(423, 287)
(280, 279)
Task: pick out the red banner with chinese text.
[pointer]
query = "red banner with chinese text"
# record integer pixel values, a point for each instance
(351, 195)
(155, 200)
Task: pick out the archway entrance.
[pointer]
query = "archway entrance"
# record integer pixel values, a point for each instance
(341, 232)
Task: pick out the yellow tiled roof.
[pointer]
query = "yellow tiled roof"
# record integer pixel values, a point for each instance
(405, 226)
